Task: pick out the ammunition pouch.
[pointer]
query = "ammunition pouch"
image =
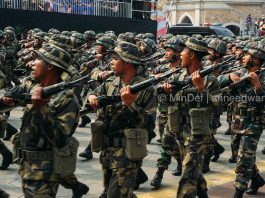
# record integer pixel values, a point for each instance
(64, 159)
(97, 129)
(200, 121)
(135, 143)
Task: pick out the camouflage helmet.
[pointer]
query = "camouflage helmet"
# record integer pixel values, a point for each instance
(10, 35)
(213, 36)
(54, 55)
(53, 31)
(138, 37)
(128, 52)
(218, 45)
(174, 43)
(149, 35)
(106, 42)
(256, 49)
(241, 44)
(149, 44)
(61, 41)
(111, 35)
(166, 37)
(78, 39)
(197, 36)
(99, 35)
(126, 38)
(9, 28)
(196, 45)
(35, 30)
(110, 32)
(40, 35)
(90, 35)
(2, 34)
(66, 33)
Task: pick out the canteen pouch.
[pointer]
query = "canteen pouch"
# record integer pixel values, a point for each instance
(97, 129)
(135, 143)
(64, 159)
(200, 121)
(173, 119)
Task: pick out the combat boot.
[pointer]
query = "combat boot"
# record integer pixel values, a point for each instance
(157, 180)
(79, 190)
(178, 170)
(218, 150)
(263, 151)
(103, 194)
(84, 121)
(7, 156)
(10, 131)
(206, 162)
(228, 131)
(140, 178)
(238, 193)
(232, 159)
(202, 194)
(3, 194)
(87, 153)
(256, 183)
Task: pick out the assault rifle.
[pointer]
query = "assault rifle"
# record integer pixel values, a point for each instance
(25, 98)
(241, 82)
(107, 100)
(208, 70)
(154, 57)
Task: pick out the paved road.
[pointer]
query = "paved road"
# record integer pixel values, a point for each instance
(220, 179)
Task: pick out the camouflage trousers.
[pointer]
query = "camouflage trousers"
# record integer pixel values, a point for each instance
(172, 146)
(162, 121)
(119, 173)
(39, 189)
(192, 182)
(235, 142)
(246, 167)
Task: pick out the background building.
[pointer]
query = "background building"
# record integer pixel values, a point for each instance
(229, 13)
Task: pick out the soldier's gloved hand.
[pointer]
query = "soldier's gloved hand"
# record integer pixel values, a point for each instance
(254, 78)
(8, 101)
(126, 96)
(168, 87)
(234, 77)
(93, 101)
(37, 99)
(197, 81)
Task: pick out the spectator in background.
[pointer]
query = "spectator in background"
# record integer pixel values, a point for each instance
(62, 8)
(147, 9)
(137, 5)
(69, 9)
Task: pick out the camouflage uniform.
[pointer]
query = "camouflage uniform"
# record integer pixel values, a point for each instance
(197, 133)
(45, 129)
(248, 123)
(117, 118)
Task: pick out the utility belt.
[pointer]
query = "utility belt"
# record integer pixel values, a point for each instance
(35, 155)
(114, 142)
(134, 141)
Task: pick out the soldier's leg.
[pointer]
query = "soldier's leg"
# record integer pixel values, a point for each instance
(87, 153)
(168, 143)
(218, 149)
(7, 156)
(192, 168)
(122, 183)
(70, 182)
(10, 131)
(178, 153)
(235, 143)
(246, 161)
(162, 120)
(3, 194)
(39, 189)
(140, 178)
(107, 171)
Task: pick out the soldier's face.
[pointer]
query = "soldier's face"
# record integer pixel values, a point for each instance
(185, 57)
(169, 54)
(238, 53)
(117, 65)
(39, 69)
(246, 59)
(99, 49)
